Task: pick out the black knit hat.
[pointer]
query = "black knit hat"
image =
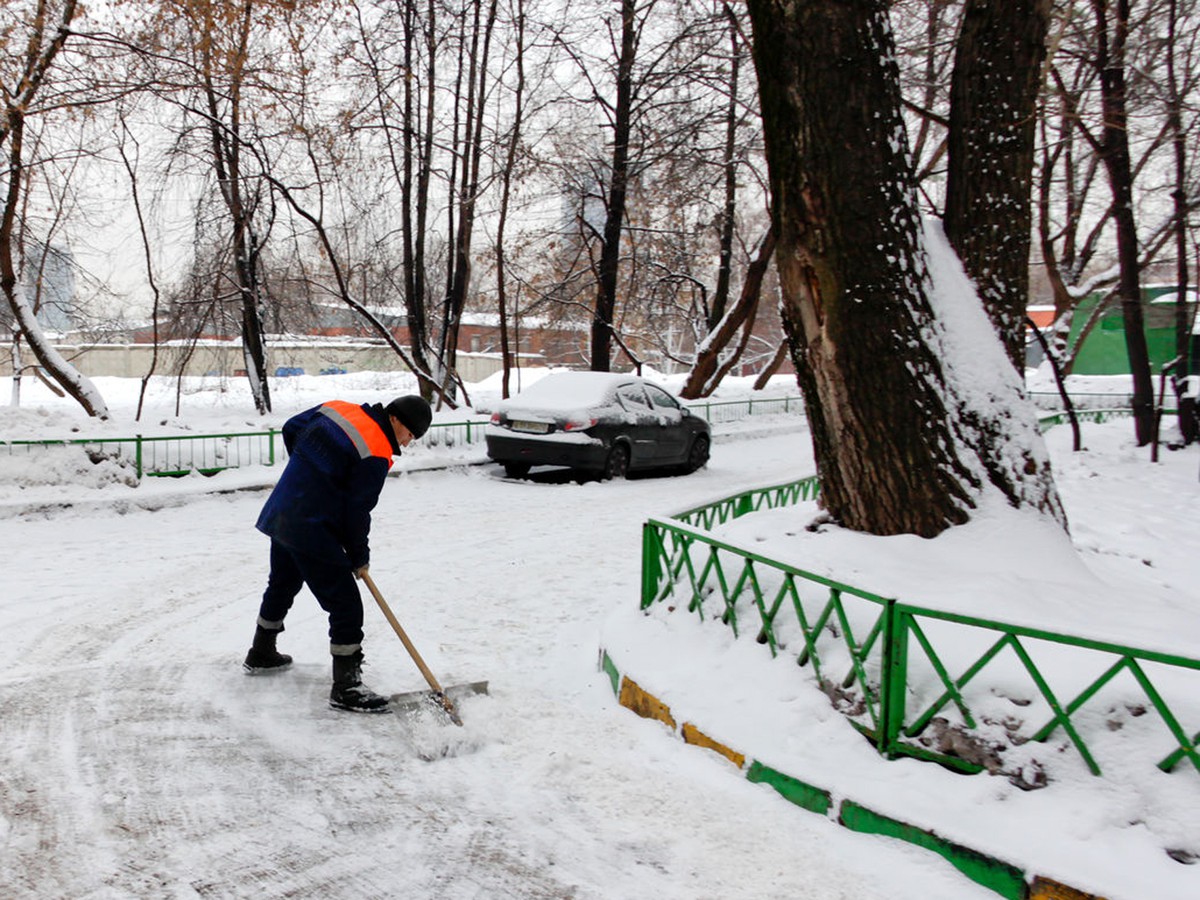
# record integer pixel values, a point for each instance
(413, 412)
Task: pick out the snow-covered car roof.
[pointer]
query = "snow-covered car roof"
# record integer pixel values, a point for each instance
(565, 392)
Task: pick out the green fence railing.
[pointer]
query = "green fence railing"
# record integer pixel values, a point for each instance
(172, 455)
(175, 455)
(1096, 416)
(720, 412)
(737, 505)
(895, 668)
(455, 434)
(1082, 400)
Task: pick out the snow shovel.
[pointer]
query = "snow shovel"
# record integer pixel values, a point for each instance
(437, 693)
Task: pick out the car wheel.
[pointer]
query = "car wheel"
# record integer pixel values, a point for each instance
(516, 470)
(698, 455)
(617, 463)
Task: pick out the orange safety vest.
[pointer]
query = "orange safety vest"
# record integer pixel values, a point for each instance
(364, 432)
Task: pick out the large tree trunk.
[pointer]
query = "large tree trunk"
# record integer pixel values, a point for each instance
(714, 359)
(993, 100)
(75, 383)
(902, 441)
(424, 176)
(772, 366)
(223, 79)
(468, 194)
(1114, 151)
(1179, 198)
(44, 42)
(414, 195)
(614, 219)
(254, 339)
(728, 217)
(507, 351)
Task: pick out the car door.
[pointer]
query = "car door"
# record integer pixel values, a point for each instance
(640, 422)
(671, 437)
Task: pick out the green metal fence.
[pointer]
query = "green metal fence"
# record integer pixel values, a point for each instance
(1097, 416)
(174, 455)
(455, 434)
(1081, 400)
(897, 668)
(170, 455)
(737, 505)
(720, 412)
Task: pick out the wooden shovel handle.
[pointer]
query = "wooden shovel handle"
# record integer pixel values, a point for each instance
(445, 701)
(408, 645)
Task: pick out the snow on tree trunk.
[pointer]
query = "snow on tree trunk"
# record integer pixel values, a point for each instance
(15, 356)
(993, 110)
(915, 411)
(46, 34)
(71, 379)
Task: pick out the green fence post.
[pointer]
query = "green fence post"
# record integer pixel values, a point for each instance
(651, 566)
(893, 677)
(270, 446)
(138, 457)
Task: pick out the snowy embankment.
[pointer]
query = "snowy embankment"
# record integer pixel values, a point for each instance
(1127, 575)
(139, 761)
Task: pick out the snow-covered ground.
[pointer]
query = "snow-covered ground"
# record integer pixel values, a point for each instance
(137, 760)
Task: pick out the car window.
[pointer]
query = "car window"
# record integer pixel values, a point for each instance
(661, 398)
(633, 398)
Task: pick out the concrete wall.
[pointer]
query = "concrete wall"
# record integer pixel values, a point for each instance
(221, 358)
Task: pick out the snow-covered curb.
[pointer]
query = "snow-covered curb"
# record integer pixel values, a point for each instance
(854, 787)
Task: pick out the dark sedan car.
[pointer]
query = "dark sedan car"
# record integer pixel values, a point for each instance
(598, 423)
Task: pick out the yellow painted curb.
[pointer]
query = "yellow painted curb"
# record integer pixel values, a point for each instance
(645, 705)
(1047, 889)
(693, 735)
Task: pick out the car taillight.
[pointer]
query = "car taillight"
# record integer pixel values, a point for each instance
(578, 424)
(495, 418)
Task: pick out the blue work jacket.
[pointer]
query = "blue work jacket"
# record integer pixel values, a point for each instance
(339, 456)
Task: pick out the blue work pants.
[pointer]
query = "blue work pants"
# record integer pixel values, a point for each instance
(334, 586)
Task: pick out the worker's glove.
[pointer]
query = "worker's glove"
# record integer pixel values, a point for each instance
(361, 571)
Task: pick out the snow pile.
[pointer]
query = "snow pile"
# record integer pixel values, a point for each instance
(64, 465)
(62, 422)
(986, 396)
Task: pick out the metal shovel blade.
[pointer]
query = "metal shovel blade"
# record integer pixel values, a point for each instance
(455, 692)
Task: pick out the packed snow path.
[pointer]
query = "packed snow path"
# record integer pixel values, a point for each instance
(137, 760)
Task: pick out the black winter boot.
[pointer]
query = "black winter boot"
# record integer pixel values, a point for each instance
(348, 692)
(263, 657)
